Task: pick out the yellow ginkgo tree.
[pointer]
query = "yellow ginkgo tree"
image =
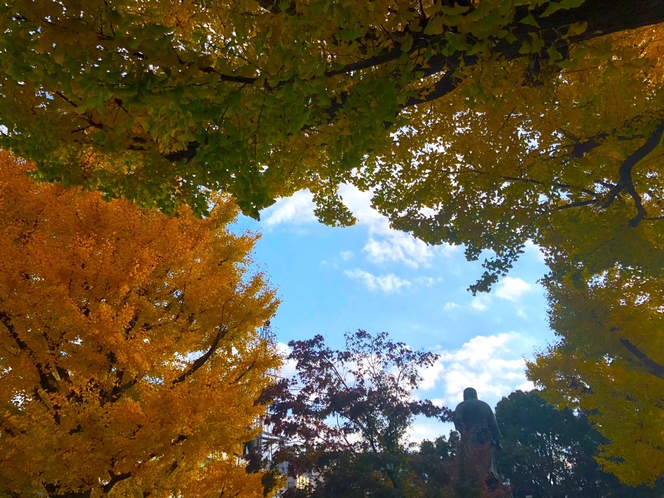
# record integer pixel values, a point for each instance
(608, 361)
(130, 358)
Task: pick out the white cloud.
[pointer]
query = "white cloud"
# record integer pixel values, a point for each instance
(427, 281)
(424, 428)
(384, 245)
(480, 302)
(386, 283)
(346, 255)
(288, 369)
(487, 363)
(296, 210)
(512, 289)
(396, 246)
(534, 250)
(450, 306)
(526, 386)
(448, 250)
(431, 375)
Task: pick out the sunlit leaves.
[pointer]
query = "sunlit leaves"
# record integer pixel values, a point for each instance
(608, 362)
(130, 361)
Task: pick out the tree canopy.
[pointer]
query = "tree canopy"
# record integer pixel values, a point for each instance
(130, 363)
(346, 414)
(550, 453)
(609, 362)
(259, 98)
(486, 123)
(478, 123)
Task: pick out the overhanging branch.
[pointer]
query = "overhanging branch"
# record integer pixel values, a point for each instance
(625, 182)
(603, 17)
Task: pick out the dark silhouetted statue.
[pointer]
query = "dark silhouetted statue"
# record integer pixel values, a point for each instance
(479, 430)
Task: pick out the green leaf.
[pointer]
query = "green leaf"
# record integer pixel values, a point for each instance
(407, 44)
(577, 28)
(563, 4)
(611, 69)
(456, 10)
(568, 63)
(554, 55)
(434, 26)
(529, 20)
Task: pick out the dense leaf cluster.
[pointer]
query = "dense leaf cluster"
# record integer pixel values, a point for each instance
(485, 123)
(123, 372)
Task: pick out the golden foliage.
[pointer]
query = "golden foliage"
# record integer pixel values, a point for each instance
(486, 123)
(573, 164)
(609, 362)
(129, 356)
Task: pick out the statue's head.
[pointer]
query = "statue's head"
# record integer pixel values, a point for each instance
(469, 393)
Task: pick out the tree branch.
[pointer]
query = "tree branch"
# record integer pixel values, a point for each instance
(115, 478)
(46, 378)
(577, 204)
(245, 372)
(203, 359)
(652, 367)
(603, 17)
(625, 176)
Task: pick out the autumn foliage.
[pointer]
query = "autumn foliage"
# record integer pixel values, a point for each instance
(261, 98)
(487, 123)
(608, 362)
(130, 363)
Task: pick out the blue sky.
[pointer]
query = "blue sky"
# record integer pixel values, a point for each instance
(335, 280)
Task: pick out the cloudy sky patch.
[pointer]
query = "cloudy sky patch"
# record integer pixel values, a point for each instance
(378, 279)
(512, 289)
(386, 283)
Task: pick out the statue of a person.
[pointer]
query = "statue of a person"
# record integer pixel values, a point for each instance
(477, 424)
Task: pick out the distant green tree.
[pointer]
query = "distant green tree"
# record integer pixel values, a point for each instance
(443, 447)
(550, 453)
(433, 466)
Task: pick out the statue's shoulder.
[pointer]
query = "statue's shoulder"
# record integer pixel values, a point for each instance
(484, 404)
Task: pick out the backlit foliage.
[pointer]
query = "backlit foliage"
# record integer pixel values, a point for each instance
(486, 123)
(130, 363)
(571, 163)
(609, 362)
(261, 98)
